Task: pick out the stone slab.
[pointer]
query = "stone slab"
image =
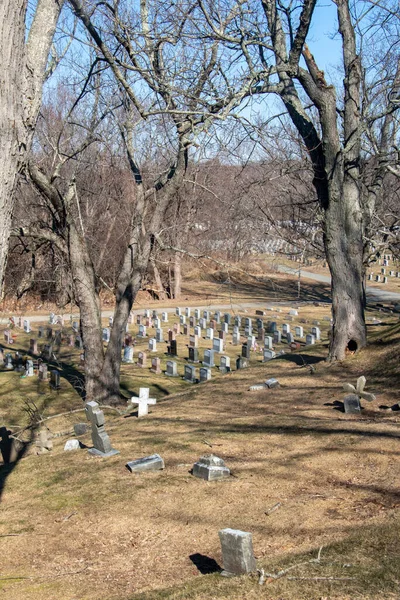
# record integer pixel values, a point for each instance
(147, 463)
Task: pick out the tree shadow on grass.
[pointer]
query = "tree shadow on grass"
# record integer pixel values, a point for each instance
(12, 453)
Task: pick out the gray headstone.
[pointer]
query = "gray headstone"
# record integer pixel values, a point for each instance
(211, 468)
(100, 439)
(237, 552)
(352, 404)
(148, 463)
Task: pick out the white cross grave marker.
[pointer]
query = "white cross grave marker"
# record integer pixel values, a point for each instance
(143, 402)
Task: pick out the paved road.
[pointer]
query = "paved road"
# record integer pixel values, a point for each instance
(373, 294)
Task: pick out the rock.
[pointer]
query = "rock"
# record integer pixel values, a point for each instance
(71, 445)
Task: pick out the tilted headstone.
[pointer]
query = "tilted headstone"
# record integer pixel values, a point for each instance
(272, 383)
(100, 439)
(148, 463)
(237, 552)
(211, 468)
(268, 354)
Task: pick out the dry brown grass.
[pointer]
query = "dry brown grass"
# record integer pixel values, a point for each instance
(86, 528)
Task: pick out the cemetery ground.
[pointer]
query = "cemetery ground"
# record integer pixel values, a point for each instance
(317, 488)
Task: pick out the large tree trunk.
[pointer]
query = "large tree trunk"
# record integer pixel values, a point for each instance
(12, 34)
(343, 238)
(90, 314)
(23, 66)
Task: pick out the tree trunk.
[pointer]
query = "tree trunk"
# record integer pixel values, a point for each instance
(12, 34)
(343, 239)
(90, 314)
(177, 275)
(23, 66)
(157, 280)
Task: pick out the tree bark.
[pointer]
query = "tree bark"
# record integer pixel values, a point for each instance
(23, 72)
(177, 275)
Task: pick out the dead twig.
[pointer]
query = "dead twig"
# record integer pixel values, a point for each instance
(283, 572)
(273, 508)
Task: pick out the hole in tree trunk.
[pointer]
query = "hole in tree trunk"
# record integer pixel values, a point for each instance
(352, 346)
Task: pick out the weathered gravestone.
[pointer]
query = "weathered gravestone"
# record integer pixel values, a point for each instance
(155, 366)
(208, 360)
(237, 552)
(190, 374)
(172, 369)
(142, 360)
(148, 463)
(80, 429)
(193, 355)
(268, 354)
(55, 380)
(225, 364)
(128, 354)
(211, 468)
(100, 439)
(205, 374)
(352, 404)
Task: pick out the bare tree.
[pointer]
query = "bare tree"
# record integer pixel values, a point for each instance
(332, 122)
(24, 58)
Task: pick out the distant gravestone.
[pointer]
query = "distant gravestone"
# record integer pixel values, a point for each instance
(218, 345)
(128, 354)
(268, 342)
(172, 369)
(106, 335)
(208, 360)
(142, 360)
(299, 332)
(155, 366)
(193, 355)
(209, 333)
(316, 332)
(237, 552)
(172, 348)
(148, 463)
(33, 347)
(310, 339)
(42, 374)
(55, 379)
(242, 363)
(205, 374)
(277, 337)
(246, 350)
(152, 345)
(268, 354)
(190, 374)
(211, 468)
(225, 364)
(100, 439)
(27, 326)
(164, 317)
